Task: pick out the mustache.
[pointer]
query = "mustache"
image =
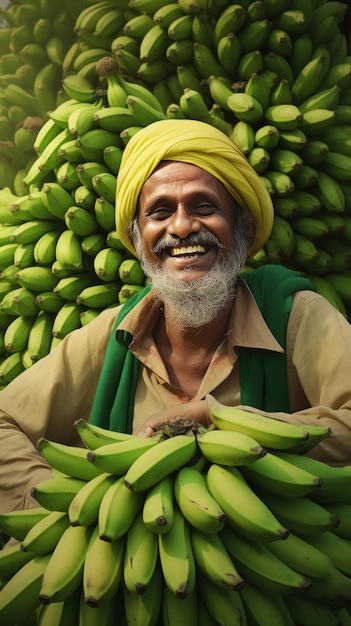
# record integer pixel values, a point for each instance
(193, 239)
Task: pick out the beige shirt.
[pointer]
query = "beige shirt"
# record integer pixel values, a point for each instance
(50, 396)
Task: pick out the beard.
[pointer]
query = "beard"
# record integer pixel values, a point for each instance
(197, 302)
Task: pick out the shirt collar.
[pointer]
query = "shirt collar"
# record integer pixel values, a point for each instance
(246, 328)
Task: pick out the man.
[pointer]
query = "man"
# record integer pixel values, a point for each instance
(193, 210)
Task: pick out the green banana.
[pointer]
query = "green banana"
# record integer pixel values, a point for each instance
(329, 192)
(130, 272)
(104, 185)
(143, 112)
(92, 244)
(118, 508)
(63, 572)
(247, 513)
(98, 296)
(45, 247)
(16, 524)
(70, 287)
(94, 436)
(181, 28)
(60, 613)
(83, 119)
(245, 107)
(165, 14)
(12, 558)
(176, 555)
(55, 494)
(69, 252)
(275, 473)
(31, 231)
(103, 569)
(48, 301)
(154, 44)
(66, 319)
(116, 457)
(140, 558)
(70, 460)
(36, 278)
(79, 88)
(224, 606)
(81, 221)
(106, 264)
(111, 22)
(19, 597)
(303, 607)
(206, 62)
(301, 556)
(40, 336)
(214, 561)
(283, 116)
(159, 461)
(144, 608)
(43, 537)
(231, 20)
(260, 566)
(93, 142)
(158, 507)
(261, 605)
(83, 509)
(243, 136)
(17, 333)
(87, 170)
(228, 447)
(195, 502)
(19, 301)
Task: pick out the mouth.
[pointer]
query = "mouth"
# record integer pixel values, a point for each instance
(187, 251)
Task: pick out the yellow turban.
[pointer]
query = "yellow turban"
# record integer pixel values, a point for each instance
(200, 144)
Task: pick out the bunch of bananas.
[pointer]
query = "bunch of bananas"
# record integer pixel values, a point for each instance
(275, 76)
(230, 524)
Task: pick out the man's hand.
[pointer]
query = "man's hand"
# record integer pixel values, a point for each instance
(197, 411)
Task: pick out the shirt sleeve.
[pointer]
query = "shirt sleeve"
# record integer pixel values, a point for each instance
(45, 401)
(319, 359)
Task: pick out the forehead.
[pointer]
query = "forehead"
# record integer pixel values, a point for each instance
(177, 172)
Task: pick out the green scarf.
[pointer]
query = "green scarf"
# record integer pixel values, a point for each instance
(263, 379)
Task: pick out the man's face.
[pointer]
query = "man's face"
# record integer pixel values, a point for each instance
(186, 220)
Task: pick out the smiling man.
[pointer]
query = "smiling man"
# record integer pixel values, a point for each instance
(193, 211)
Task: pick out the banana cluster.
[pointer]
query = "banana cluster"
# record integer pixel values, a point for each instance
(230, 524)
(276, 77)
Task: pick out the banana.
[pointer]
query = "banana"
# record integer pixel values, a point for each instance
(10, 367)
(63, 572)
(283, 236)
(64, 613)
(206, 62)
(179, 53)
(330, 192)
(337, 165)
(93, 142)
(260, 566)
(70, 287)
(56, 493)
(177, 558)
(43, 537)
(228, 447)
(335, 548)
(243, 136)
(194, 106)
(158, 507)
(138, 25)
(342, 512)
(336, 485)
(117, 511)
(283, 116)
(16, 334)
(79, 88)
(144, 609)
(83, 509)
(302, 556)
(231, 20)
(88, 17)
(261, 606)
(98, 296)
(40, 336)
(95, 436)
(19, 596)
(267, 137)
(45, 247)
(12, 558)
(56, 199)
(281, 93)
(245, 510)
(304, 608)
(281, 183)
(81, 221)
(174, 610)
(71, 460)
(104, 185)
(16, 524)
(127, 291)
(245, 107)
(143, 112)
(276, 474)
(214, 561)
(20, 301)
(181, 28)
(31, 231)
(269, 433)
(83, 119)
(130, 272)
(117, 457)
(36, 278)
(48, 159)
(165, 14)
(69, 253)
(103, 569)
(66, 319)
(140, 557)
(225, 606)
(189, 78)
(115, 118)
(48, 131)
(112, 156)
(106, 264)
(84, 197)
(257, 88)
(159, 461)
(111, 22)
(154, 44)
(196, 503)
(49, 302)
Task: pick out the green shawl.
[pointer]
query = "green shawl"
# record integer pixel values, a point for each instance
(263, 377)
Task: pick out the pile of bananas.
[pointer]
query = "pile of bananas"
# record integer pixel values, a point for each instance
(275, 76)
(230, 524)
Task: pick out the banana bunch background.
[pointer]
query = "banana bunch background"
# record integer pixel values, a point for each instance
(230, 525)
(79, 79)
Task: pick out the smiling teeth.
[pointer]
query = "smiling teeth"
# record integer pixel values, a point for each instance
(187, 250)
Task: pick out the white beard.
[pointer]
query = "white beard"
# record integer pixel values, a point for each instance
(198, 302)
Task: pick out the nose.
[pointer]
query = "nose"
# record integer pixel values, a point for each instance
(183, 223)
